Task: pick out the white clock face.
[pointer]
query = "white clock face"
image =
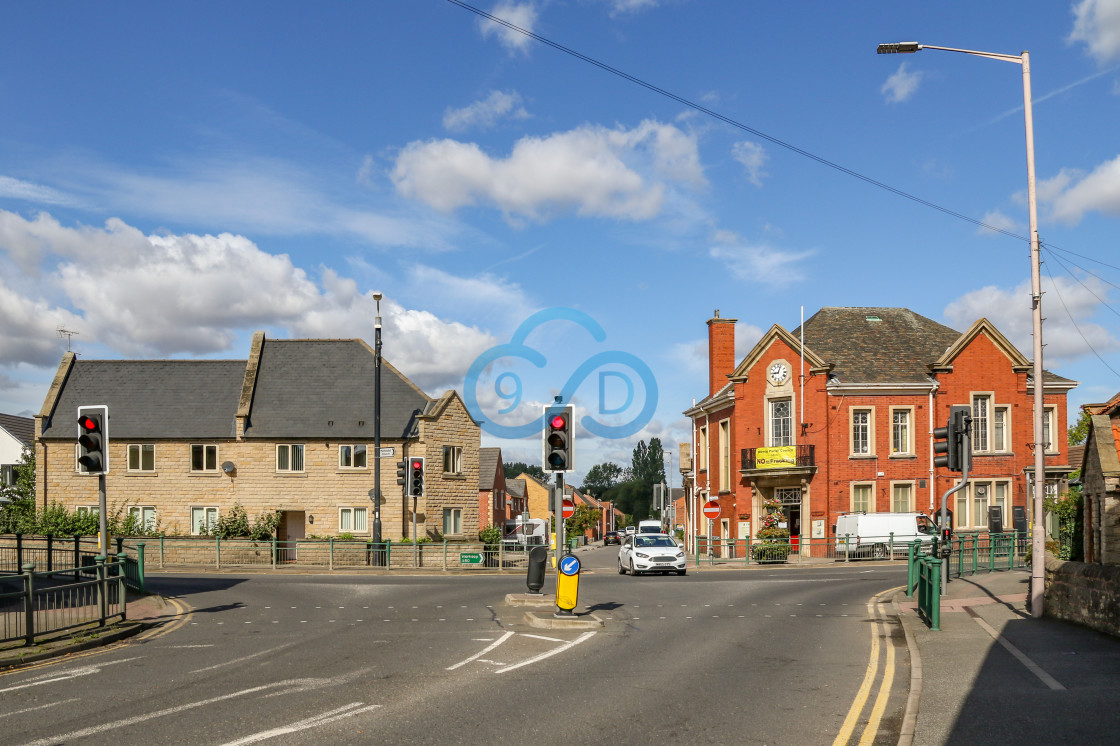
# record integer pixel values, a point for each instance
(779, 373)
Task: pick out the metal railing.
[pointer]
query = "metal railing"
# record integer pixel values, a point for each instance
(49, 552)
(984, 552)
(929, 590)
(798, 550)
(47, 604)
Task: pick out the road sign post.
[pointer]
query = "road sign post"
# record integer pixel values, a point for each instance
(711, 511)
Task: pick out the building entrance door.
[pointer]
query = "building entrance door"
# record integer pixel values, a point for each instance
(288, 534)
(790, 498)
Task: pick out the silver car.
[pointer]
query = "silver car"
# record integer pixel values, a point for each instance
(642, 553)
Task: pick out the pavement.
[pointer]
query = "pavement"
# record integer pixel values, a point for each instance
(994, 675)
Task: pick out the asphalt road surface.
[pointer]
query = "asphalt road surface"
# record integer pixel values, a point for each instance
(765, 656)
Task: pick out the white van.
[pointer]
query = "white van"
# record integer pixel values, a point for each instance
(650, 527)
(871, 534)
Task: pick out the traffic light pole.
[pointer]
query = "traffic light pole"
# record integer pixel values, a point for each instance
(558, 505)
(966, 458)
(102, 519)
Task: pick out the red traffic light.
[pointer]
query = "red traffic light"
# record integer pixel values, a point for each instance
(558, 422)
(87, 423)
(417, 464)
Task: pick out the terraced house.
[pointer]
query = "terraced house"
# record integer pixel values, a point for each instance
(837, 416)
(290, 429)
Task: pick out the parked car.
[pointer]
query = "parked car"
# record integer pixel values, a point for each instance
(611, 537)
(642, 553)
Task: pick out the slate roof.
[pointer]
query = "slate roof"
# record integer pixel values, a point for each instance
(489, 459)
(302, 389)
(151, 399)
(309, 388)
(20, 428)
(877, 345)
(516, 488)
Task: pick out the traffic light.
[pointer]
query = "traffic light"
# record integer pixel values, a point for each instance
(952, 443)
(93, 440)
(559, 428)
(416, 477)
(402, 472)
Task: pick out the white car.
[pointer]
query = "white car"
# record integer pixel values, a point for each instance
(642, 553)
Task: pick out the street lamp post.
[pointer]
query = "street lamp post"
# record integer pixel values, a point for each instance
(1038, 536)
(377, 431)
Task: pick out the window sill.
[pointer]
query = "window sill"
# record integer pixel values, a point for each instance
(863, 456)
(903, 456)
(291, 474)
(205, 474)
(345, 470)
(454, 475)
(141, 473)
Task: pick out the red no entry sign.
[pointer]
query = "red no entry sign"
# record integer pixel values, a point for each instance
(711, 509)
(569, 508)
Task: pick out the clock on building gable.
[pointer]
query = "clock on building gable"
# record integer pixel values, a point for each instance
(778, 373)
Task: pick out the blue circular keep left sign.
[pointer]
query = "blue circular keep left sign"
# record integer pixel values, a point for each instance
(569, 565)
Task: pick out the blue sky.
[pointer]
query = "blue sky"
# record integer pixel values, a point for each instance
(174, 177)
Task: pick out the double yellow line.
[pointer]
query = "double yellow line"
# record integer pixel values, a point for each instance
(879, 630)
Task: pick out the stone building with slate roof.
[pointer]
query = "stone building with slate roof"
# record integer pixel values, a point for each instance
(838, 416)
(290, 429)
(1100, 484)
(16, 433)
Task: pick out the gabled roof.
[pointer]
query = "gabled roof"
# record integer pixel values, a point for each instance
(877, 345)
(489, 461)
(324, 388)
(149, 399)
(515, 487)
(20, 428)
(775, 333)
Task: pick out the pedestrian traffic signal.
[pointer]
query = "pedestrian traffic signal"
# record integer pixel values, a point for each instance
(416, 477)
(402, 472)
(93, 439)
(952, 443)
(559, 428)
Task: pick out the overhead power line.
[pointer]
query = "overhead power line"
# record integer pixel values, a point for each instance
(734, 123)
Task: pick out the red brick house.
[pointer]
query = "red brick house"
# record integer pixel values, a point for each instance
(837, 416)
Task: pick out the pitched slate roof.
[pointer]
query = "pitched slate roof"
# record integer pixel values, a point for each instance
(151, 398)
(20, 428)
(515, 487)
(489, 459)
(323, 388)
(877, 345)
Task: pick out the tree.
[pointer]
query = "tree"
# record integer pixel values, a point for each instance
(601, 477)
(20, 510)
(516, 469)
(648, 463)
(1079, 433)
(584, 519)
(632, 498)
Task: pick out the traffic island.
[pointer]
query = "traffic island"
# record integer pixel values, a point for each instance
(552, 620)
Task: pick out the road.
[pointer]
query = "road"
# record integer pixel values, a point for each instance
(768, 656)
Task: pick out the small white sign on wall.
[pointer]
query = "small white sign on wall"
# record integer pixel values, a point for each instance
(818, 529)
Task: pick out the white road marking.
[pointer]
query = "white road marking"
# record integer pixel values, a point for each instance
(312, 722)
(482, 652)
(582, 638)
(541, 637)
(66, 675)
(40, 707)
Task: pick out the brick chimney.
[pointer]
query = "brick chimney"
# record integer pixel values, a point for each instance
(721, 351)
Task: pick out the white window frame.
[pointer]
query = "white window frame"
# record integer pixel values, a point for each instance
(869, 434)
(1049, 437)
(286, 464)
(140, 449)
(146, 515)
(208, 464)
(702, 449)
(982, 421)
(896, 488)
(781, 428)
(353, 520)
(452, 459)
(725, 455)
(907, 434)
(859, 486)
(350, 454)
(1001, 429)
(455, 516)
(91, 509)
(200, 514)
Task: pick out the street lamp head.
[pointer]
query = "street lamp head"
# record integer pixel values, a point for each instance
(377, 296)
(899, 47)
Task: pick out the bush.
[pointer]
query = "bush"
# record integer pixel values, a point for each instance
(235, 524)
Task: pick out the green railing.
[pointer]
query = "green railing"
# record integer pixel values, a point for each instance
(54, 602)
(974, 552)
(929, 590)
(712, 550)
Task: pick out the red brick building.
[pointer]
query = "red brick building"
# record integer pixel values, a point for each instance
(837, 416)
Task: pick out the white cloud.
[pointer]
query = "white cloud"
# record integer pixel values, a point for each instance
(901, 85)
(1097, 24)
(37, 193)
(522, 15)
(622, 7)
(486, 113)
(753, 157)
(592, 170)
(1070, 194)
(1010, 310)
(760, 264)
(160, 295)
(997, 219)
